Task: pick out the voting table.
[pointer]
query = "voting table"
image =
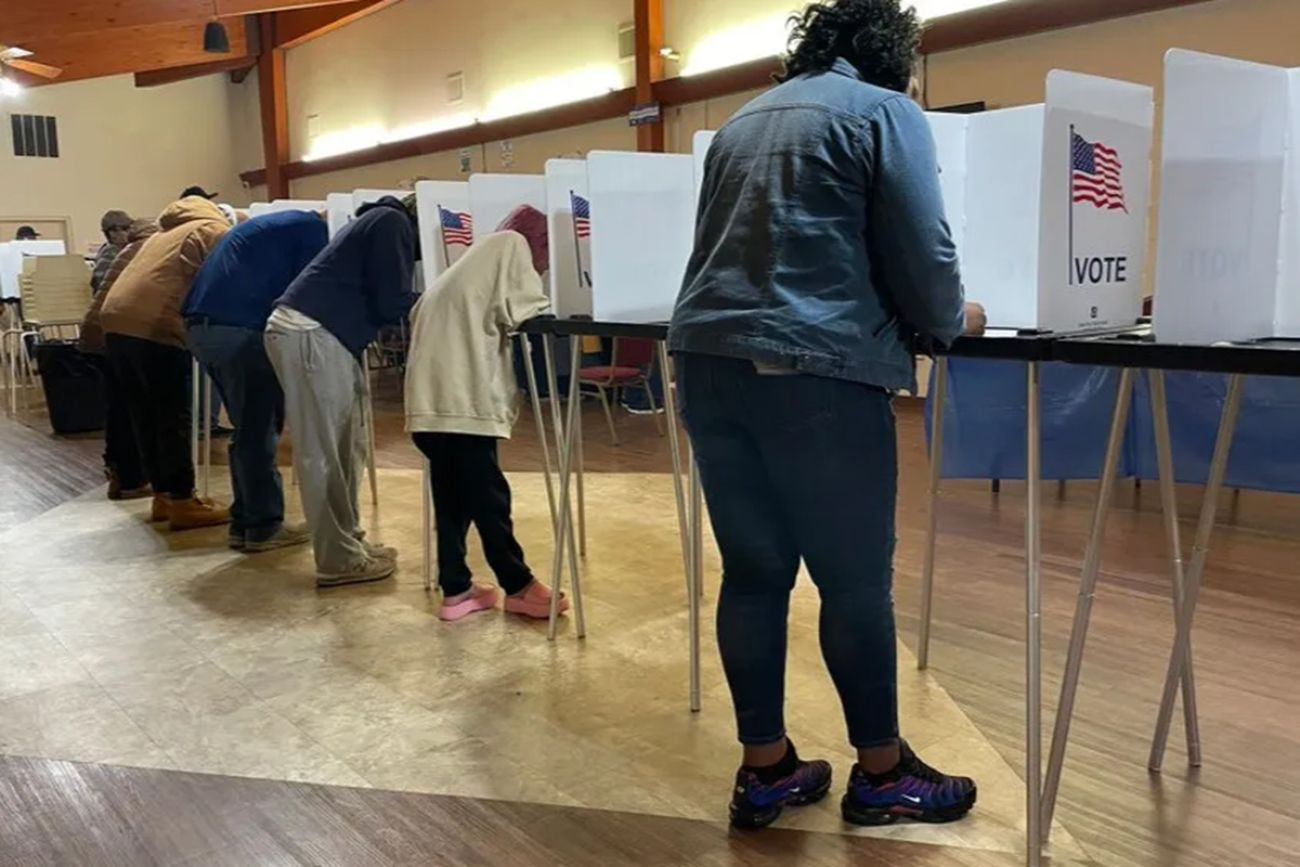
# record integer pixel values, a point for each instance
(1131, 352)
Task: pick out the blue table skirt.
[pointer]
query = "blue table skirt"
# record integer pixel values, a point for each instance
(984, 434)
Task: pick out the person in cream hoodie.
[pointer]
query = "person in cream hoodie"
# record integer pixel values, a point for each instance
(461, 398)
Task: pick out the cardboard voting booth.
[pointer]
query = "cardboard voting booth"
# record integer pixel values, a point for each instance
(700, 145)
(493, 197)
(642, 232)
(446, 226)
(338, 211)
(281, 205)
(568, 214)
(1048, 204)
(1228, 252)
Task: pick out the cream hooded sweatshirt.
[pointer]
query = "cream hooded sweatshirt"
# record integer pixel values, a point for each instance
(459, 375)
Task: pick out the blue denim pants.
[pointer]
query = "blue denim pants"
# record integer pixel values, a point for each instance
(799, 468)
(236, 360)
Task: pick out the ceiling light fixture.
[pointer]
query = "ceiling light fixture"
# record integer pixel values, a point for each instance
(215, 38)
(9, 87)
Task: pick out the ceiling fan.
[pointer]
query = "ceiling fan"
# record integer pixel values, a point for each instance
(16, 58)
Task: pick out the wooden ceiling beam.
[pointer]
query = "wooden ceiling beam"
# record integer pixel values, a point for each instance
(296, 26)
(157, 77)
(136, 49)
(1016, 18)
(26, 21)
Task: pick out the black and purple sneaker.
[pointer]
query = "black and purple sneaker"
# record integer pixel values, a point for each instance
(913, 790)
(756, 804)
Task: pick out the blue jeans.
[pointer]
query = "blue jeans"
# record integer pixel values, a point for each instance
(236, 360)
(799, 468)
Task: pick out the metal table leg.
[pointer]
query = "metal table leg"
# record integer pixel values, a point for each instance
(696, 578)
(426, 504)
(368, 408)
(692, 548)
(1200, 553)
(565, 537)
(1033, 621)
(1169, 501)
(937, 400)
(206, 417)
(196, 405)
(582, 493)
(1087, 593)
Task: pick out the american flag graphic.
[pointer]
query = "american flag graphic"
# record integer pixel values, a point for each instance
(457, 228)
(1096, 171)
(581, 215)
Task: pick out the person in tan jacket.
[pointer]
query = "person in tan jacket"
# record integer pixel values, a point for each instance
(461, 397)
(122, 462)
(145, 337)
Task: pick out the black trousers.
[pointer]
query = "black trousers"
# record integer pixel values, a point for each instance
(121, 450)
(154, 379)
(468, 487)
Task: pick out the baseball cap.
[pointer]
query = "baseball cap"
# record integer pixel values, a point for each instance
(198, 191)
(25, 233)
(115, 220)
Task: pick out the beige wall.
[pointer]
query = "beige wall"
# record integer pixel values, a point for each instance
(385, 76)
(121, 147)
(388, 70)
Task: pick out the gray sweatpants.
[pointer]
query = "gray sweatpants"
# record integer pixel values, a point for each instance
(323, 391)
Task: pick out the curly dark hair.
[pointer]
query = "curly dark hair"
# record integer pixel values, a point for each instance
(879, 37)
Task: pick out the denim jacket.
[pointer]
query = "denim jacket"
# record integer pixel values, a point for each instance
(821, 244)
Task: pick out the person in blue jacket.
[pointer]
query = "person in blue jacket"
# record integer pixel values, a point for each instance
(362, 281)
(225, 315)
(822, 258)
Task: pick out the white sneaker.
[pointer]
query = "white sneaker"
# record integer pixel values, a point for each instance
(284, 537)
(368, 570)
(383, 552)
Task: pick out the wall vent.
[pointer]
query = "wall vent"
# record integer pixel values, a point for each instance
(35, 135)
(627, 41)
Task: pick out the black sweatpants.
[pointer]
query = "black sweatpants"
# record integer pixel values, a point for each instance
(469, 487)
(121, 451)
(154, 379)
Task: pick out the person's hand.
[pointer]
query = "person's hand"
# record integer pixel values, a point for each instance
(976, 319)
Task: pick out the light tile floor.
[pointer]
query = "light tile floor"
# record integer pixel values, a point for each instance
(120, 644)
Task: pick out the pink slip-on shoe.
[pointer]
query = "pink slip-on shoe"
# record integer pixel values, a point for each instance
(480, 598)
(534, 602)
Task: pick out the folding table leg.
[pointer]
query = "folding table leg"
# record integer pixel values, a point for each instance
(937, 401)
(686, 519)
(206, 419)
(564, 535)
(196, 406)
(1169, 501)
(582, 492)
(696, 576)
(426, 535)
(1087, 593)
(1200, 553)
(1033, 621)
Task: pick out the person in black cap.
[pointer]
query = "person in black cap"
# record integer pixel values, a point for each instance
(26, 233)
(200, 192)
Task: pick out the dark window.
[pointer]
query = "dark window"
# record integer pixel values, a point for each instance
(34, 135)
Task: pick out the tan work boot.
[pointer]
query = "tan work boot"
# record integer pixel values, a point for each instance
(368, 570)
(194, 513)
(161, 509)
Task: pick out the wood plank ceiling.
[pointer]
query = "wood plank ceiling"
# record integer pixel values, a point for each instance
(94, 38)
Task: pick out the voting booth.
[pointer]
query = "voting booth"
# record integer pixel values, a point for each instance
(281, 205)
(446, 226)
(642, 232)
(1048, 204)
(1229, 240)
(338, 211)
(568, 216)
(493, 197)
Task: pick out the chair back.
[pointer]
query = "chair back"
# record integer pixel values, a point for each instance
(633, 352)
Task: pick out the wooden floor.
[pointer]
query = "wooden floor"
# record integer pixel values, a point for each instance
(1241, 808)
(59, 813)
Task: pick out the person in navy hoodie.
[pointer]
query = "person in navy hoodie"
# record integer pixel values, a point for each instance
(225, 317)
(362, 281)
